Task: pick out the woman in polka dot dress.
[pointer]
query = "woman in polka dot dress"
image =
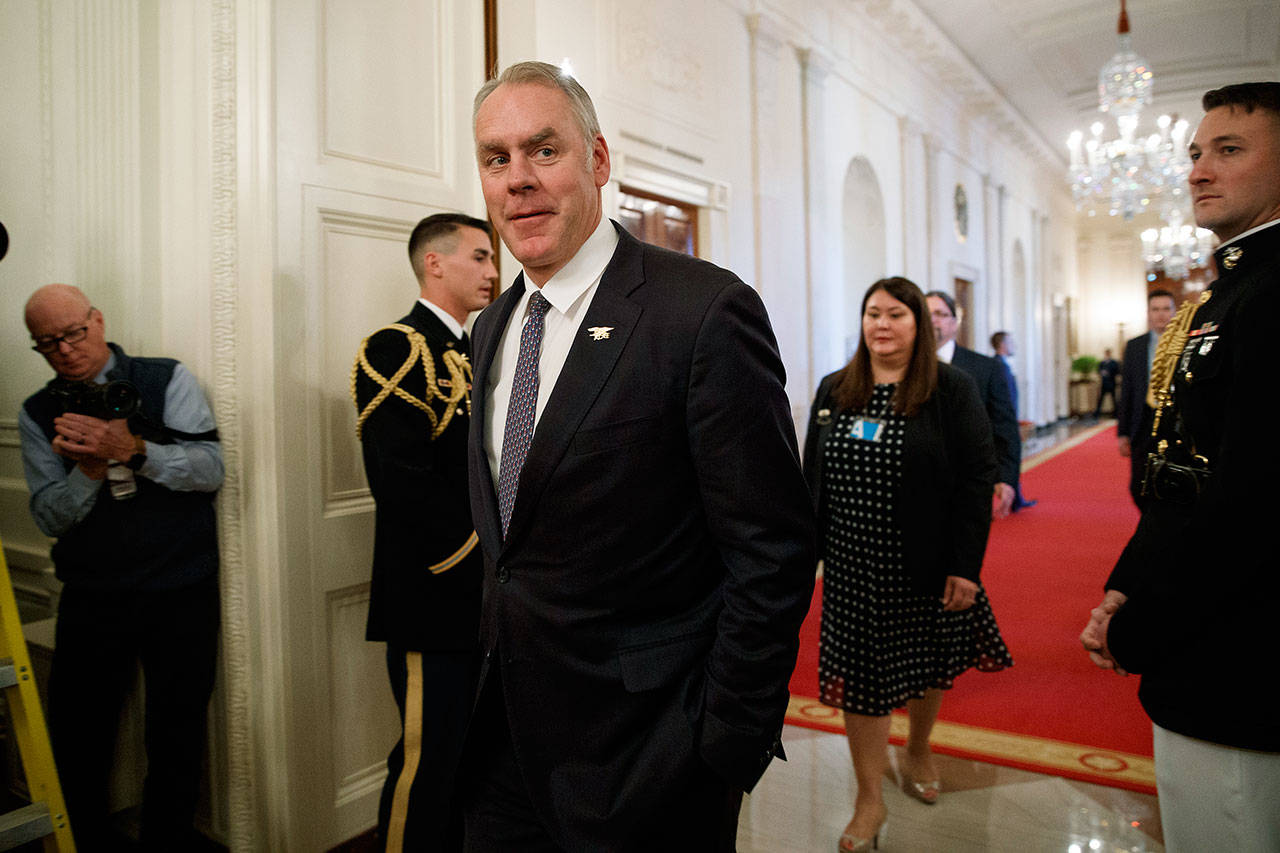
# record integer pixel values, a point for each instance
(900, 460)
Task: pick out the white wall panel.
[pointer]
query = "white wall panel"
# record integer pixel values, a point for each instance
(385, 85)
(364, 723)
(365, 282)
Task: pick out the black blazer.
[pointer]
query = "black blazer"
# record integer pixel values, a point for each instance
(943, 502)
(425, 593)
(646, 603)
(1132, 414)
(993, 390)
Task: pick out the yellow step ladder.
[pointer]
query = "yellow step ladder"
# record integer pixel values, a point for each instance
(46, 817)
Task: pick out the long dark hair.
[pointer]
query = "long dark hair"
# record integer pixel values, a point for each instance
(853, 388)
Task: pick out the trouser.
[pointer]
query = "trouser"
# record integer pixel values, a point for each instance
(101, 637)
(500, 815)
(434, 692)
(1215, 797)
(1110, 392)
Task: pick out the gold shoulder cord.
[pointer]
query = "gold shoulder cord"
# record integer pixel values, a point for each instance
(458, 365)
(1163, 365)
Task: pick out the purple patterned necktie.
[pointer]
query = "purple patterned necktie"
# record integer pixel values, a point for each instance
(518, 432)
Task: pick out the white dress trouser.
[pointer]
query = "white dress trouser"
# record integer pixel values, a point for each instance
(1215, 797)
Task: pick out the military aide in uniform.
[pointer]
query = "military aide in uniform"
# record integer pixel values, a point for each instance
(1191, 603)
(122, 461)
(412, 389)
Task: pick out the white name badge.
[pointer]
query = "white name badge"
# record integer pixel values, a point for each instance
(867, 429)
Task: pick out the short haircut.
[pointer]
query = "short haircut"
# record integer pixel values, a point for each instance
(439, 233)
(1247, 96)
(1160, 291)
(855, 385)
(998, 339)
(945, 297)
(546, 74)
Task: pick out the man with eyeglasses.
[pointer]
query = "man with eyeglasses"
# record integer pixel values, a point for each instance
(130, 502)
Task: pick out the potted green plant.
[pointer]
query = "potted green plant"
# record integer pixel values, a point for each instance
(1083, 366)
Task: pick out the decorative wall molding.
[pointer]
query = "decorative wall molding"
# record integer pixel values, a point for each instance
(46, 135)
(9, 436)
(353, 671)
(425, 118)
(108, 154)
(361, 784)
(332, 214)
(242, 805)
(648, 176)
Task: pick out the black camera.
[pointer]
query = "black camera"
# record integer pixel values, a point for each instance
(109, 401)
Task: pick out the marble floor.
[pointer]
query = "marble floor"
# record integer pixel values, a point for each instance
(802, 805)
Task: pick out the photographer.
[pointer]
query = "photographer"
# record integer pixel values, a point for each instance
(122, 461)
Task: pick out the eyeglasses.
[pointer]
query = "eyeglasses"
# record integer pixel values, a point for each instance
(49, 345)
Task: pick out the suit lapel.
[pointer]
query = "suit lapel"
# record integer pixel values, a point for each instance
(486, 341)
(587, 368)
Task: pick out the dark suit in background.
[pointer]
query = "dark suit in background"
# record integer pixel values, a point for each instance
(640, 620)
(1133, 415)
(1108, 370)
(989, 375)
(424, 601)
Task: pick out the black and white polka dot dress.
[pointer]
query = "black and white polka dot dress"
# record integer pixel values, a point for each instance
(883, 643)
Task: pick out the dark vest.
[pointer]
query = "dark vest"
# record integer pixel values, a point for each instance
(159, 538)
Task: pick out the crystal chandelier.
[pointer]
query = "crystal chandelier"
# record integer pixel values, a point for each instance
(1127, 175)
(1176, 248)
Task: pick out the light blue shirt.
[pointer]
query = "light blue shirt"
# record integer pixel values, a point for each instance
(60, 499)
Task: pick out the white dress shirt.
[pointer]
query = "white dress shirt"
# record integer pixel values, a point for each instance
(570, 292)
(947, 351)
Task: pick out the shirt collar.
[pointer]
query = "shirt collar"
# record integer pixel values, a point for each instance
(102, 377)
(947, 351)
(1253, 230)
(445, 317)
(583, 270)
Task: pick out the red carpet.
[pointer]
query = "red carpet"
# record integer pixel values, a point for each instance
(1053, 711)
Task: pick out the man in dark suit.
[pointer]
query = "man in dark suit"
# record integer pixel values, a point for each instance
(647, 534)
(1108, 370)
(1133, 415)
(412, 384)
(1002, 343)
(992, 386)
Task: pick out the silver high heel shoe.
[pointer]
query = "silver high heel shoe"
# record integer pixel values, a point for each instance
(925, 792)
(850, 843)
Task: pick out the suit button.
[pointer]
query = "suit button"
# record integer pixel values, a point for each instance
(503, 574)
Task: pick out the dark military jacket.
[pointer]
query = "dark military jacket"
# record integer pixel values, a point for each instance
(411, 384)
(1201, 570)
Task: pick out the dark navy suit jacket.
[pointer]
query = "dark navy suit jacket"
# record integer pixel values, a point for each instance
(994, 391)
(645, 605)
